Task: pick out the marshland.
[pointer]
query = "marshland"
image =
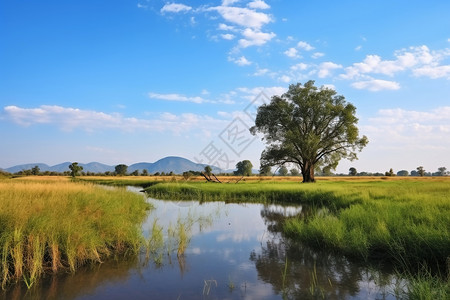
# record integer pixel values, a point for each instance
(268, 238)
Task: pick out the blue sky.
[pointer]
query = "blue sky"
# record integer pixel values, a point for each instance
(135, 81)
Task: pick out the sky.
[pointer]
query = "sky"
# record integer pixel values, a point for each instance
(138, 80)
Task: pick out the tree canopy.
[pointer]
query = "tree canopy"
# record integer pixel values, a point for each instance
(244, 168)
(308, 126)
(121, 169)
(75, 169)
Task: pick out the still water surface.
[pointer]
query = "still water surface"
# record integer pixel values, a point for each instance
(235, 251)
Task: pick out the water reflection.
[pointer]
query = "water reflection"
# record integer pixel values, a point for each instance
(233, 251)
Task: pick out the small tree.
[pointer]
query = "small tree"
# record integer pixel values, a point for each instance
(390, 173)
(208, 171)
(352, 171)
(187, 175)
(121, 169)
(135, 173)
(442, 171)
(244, 168)
(283, 171)
(421, 171)
(75, 169)
(144, 172)
(35, 170)
(402, 173)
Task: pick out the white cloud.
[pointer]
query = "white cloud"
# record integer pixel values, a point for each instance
(357, 48)
(326, 68)
(420, 60)
(176, 97)
(433, 72)
(305, 46)
(375, 85)
(67, 119)
(413, 128)
(285, 78)
(240, 61)
(299, 67)
(228, 36)
(261, 72)
(255, 38)
(241, 16)
(291, 52)
(229, 2)
(317, 55)
(226, 27)
(258, 4)
(175, 8)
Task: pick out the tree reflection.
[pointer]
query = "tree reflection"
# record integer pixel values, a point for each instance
(310, 273)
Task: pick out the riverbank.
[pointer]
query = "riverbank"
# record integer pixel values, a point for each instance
(49, 224)
(400, 221)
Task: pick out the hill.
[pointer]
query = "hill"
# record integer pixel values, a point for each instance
(175, 164)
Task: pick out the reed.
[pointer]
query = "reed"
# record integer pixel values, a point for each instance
(48, 225)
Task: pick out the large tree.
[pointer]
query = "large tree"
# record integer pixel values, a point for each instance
(308, 126)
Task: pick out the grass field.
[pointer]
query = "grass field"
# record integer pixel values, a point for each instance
(403, 221)
(48, 224)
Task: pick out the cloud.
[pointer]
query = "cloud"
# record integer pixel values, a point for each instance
(305, 46)
(317, 55)
(375, 85)
(258, 4)
(242, 16)
(285, 78)
(411, 129)
(176, 97)
(326, 68)
(255, 38)
(291, 52)
(68, 119)
(175, 8)
(433, 72)
(299, 67)
(420, 60)
(261, 72)
(228, 36)
(226, 27)
(241, 61)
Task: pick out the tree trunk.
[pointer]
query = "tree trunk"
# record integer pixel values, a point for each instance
(308, 172)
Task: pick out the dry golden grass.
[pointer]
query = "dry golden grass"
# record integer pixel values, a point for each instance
(49, 223)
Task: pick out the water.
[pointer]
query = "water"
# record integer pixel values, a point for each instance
(235, 251)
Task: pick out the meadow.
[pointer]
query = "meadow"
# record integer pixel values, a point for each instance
(403, 220)
(50, 224)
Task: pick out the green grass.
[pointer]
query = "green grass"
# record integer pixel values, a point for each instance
(53, 224)
(401, 222)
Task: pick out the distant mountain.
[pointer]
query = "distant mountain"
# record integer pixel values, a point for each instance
(175, 164)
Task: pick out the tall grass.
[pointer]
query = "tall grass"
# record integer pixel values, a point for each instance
(48, 225)
(404, 222)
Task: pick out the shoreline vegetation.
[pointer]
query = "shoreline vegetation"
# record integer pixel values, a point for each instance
(49, 225)
(400, 221)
